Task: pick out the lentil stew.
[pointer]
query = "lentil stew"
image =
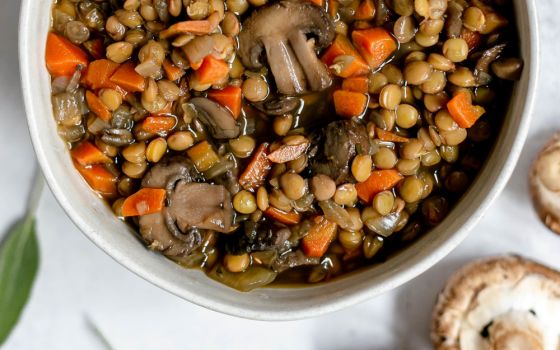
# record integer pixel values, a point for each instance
(283, 141)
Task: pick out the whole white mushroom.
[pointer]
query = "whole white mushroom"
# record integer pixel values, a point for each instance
(497, 304)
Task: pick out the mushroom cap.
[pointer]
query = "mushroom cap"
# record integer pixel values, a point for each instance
(218, 119)
(279, 20)
(544, 181)
(499, 303)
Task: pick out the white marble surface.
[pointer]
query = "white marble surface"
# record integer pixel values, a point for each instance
(77, 281)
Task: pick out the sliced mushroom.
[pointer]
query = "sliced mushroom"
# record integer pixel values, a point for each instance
(290, 260)
(258, 237)
(168, 171)
(200, 205)
(336, 145)
(191, 207)
(279, 105)
(454, 22)
(482, 69)
(545, 184)
(499, 303)
(382, 13)
(281, 29)
(218, 119)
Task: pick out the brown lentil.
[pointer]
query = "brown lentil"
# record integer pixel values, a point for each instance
(383, 202)
(156, 150)
(390, 96)
(417, 72)
(293, 185)
(322, 187)
(237, 263)
(180, 140)
(346, 194)
(384, 158)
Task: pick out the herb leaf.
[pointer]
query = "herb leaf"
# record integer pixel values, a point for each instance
(19, 260)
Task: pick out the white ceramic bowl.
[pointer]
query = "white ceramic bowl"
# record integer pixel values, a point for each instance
(99, 224)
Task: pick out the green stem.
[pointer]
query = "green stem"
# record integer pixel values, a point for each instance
(35, 193)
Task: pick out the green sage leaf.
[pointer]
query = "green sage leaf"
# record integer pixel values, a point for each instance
(19, 261)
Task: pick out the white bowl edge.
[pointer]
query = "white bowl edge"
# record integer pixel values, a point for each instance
(269, 303)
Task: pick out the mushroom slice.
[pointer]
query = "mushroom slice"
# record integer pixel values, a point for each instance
(191, 207)
(317, 74)
(154, 231)
(291, 259)
(544, 182)
(482, 69)
(281, 29)
(219, 120)
(200, 205)
(168, 170)
(454, 22)
(279, 105)
(334, 146)
(285, 68)
(499, 303)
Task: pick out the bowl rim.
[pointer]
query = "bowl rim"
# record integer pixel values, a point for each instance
(400, 277)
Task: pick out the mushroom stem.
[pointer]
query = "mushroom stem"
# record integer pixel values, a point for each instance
(287, 72)
(315, 71)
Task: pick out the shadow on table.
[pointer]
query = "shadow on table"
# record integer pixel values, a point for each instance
(518, 185)
(409, 326)
(415, 301)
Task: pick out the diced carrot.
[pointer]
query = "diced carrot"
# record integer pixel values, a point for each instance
(99, 73)
(287, 218)
(98, 107)
(145, 201)
(462, 110)
(172, 72)
(203, 155)
(349, 104)
(317, 2)
(356, 84)
(286, 153)
(88, 154)
(375, 45)
(255, 174)
(365, 11)
(384, 135)
(319, 237)
(95, 48)
(378, 181)
(128, 79)
(99, 179)
(341, 46)
(229, 97)
(62, 56)
(472, 38)
(333, 8)
(211, 70)
(201, 27)
(157, 124)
